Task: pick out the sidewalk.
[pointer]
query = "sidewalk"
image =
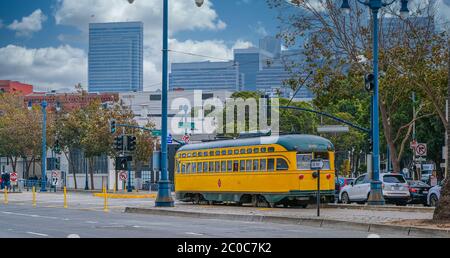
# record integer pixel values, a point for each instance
(358, 219)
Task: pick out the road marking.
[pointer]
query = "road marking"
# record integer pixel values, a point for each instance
(374, 236)
(37, 234)
(29, 215)
(73, 236)
(92, 222)
(194, 234)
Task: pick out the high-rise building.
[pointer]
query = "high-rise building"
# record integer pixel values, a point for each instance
(271, 44)
(116, 62)
(251, 61)
(205, 76)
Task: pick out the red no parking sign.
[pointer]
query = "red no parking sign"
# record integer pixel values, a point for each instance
(421, 150)
(13, 177)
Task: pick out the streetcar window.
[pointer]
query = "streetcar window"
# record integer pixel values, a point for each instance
(236, 166)
(242, 165)
(271, 149)
(194, 168)
(230, 152)
(256, 165)
(205, 167)
(205, 154)
(188, 168)
(249, 151)
(256, 150)
(217, 153)
(194, 154)
(263, 150)
(183, 169)
(324, 156)
(200, 167)
(282, 165)
(304, 161)
(178, 167)
(200, 154)
(236, 151)
(242, 151)
(263, 165)
(271, 165)
(211, 153)
(189, 155)
(224, 152)
(211, 166)
(248, 167)
(217, 166)
(224, 166)
(230, 166)
(184, 155)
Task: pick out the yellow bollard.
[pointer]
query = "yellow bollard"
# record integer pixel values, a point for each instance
(105, 209)
(34, 196)
(6, 195)
(65, 197)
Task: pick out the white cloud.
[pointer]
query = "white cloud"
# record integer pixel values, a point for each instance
(60, 67)
(183, 15)
(29, 24)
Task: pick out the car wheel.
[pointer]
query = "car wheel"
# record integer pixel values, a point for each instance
(433, 200)
(345, 199)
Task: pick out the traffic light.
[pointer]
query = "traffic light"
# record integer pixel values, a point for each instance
(131, 143)
(370, 142)
(57, 147)
(118, 143)
(113, 126)
(122, 163)
(57, 164)
(369, 80)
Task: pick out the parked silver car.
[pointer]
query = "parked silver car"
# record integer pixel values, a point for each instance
(434, 194)
(395, 189)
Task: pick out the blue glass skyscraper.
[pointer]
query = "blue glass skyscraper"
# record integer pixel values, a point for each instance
(116, 62)
(250, 62)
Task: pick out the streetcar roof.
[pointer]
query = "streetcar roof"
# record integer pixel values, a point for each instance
(294, 142)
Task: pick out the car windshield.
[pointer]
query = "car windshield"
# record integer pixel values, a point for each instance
(418, 184)
(394, 179)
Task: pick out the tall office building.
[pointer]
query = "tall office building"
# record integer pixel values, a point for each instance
(251, 61)
(116, 62)
(271, 44)
(205, 76)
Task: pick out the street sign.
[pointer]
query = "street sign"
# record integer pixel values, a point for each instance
(13, 177)
(421, 150)
(156, 133)
(123, 176)
(170, 139)
(186, 139)
(316, 164)
(186, 125)
(413, 145)
(333, 129)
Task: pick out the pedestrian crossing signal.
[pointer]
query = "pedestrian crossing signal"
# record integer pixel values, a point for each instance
(113, 127)
(131, 143)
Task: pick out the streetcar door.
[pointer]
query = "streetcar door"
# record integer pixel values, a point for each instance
(304, 168)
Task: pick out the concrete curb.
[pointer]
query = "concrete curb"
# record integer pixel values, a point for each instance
(379, 208)
(322, 223)
(126, 196)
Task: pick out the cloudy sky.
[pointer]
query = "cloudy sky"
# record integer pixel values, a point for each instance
(45, 42)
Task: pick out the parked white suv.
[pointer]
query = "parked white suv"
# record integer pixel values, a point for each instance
(395, 190)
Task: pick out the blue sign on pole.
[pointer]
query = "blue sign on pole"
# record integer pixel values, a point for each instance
(169, 139)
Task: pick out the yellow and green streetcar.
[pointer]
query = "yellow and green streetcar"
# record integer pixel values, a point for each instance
(273, 170)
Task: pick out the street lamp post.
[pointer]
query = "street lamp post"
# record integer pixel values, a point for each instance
(164, 198)
(376, 193)
(44, 146)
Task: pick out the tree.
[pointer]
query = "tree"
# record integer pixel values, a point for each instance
(340, 46)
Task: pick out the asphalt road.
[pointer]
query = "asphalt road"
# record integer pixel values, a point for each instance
(19, 221)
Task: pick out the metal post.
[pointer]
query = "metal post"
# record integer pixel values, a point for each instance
(164, 198)
(376, 194)
(414, 135)
(86, 185)
(129, 177)
(44, 146)
(318, 193)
